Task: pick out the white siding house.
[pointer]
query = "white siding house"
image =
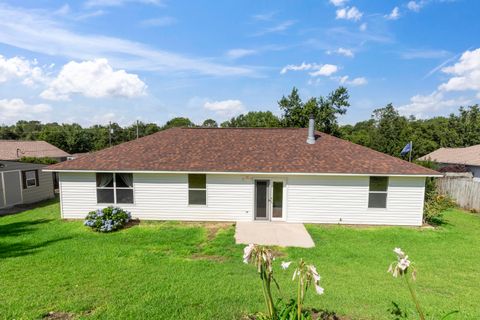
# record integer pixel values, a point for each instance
(231, 197)
(245, 175)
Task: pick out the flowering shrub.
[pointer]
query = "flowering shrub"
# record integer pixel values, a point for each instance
(107, 219)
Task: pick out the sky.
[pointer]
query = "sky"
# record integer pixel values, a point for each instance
(96, 61)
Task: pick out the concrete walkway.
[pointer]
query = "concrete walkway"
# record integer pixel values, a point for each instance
(273, 233)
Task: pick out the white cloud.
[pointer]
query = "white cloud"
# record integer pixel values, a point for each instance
(94, 79)
(424, 54)
(316, 69)
(20, 68)
(466, 73)
(325, 70)
(264, 16)
(363, 26)
(225, 108)
(342, 51)
(15, 108)
(355, 82)
(394, 15)
(338, 3)
(283, 26)
(415, 5)
(240, 53)
(349, 14)
(159, 22)
(116, 3)
(293, 67)
(422, 106)
(38, 31)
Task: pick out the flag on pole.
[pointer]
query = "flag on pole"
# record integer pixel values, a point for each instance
(406, 149)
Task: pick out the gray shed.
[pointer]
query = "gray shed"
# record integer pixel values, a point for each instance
(22, 183)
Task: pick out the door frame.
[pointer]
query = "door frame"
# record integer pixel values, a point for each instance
(4, 190)
(270, 199)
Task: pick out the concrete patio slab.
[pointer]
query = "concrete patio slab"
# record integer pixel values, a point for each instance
(273, 233)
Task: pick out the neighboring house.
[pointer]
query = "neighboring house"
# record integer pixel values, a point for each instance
(239, 174)
(16, 149)
(22, 183)
(468, 157)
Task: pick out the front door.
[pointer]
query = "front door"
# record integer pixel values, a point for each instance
(268, 200)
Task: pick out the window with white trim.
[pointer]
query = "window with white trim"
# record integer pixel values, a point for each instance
(197, 189)
(377, 194)
(114, 188)
(30, 179)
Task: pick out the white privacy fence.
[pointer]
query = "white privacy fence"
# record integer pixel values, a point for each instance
(464, 189)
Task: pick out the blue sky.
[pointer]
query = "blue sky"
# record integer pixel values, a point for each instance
(99, 60)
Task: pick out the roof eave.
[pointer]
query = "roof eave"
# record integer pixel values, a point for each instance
(255, 173)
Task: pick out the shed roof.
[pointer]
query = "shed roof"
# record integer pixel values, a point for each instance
(16, 149)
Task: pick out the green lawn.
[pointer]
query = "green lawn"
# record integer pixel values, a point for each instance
(167, 270)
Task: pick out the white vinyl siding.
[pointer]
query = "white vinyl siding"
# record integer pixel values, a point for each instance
(344, 200)
(230, 197)
(164, 197)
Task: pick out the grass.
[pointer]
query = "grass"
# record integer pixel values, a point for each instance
(172, 270)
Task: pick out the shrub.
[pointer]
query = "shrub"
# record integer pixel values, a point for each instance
(41, 160)
(107, 219)
(435, 205)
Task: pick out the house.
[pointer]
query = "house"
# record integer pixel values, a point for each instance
(16, 149)
(241, 174)
(22, 183)
(451, 159)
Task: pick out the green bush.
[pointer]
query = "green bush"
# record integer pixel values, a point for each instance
(107, 219)
(435, 205)
(41, 160)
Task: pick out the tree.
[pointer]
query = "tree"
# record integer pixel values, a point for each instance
(210, 123)
(325, 110)
(254, 119)
(178, 122)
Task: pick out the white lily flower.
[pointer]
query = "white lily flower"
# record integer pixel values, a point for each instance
(318, 289)
(404, 263)
(399, 252)
(285, 264)
(247, 253)
(314, 273)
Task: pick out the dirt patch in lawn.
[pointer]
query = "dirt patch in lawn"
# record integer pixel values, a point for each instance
(56, 315)
(200, 256)
(211, 228)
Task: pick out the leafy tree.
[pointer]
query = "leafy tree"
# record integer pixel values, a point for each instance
(210, 123)
(178, 122)
(254, 119)
(325, 110)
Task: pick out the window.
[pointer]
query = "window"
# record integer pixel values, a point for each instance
(30, 179)
(114, 188)
(377, 197)
(197, 189)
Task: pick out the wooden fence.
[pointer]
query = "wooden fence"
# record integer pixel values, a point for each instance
(464, 190)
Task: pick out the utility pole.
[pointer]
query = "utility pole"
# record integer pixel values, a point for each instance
(410, 155)
(137, 129)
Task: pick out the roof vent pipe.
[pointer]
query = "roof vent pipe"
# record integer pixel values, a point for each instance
(311, 130)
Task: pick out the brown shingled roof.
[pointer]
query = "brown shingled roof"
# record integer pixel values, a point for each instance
(242, 150)
(16, 149)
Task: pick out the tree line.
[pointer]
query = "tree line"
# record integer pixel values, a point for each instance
(386, 131)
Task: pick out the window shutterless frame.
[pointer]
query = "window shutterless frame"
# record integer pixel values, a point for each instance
(197, 190)
(114, 189)
(378, 192)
